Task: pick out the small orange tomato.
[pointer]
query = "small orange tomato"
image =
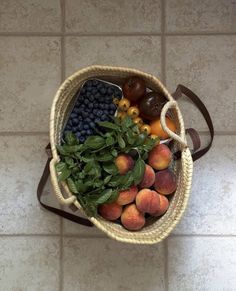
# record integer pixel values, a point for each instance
(146, 128)
(121, 115)
(124, 104)
(133, 111)
(138, 121)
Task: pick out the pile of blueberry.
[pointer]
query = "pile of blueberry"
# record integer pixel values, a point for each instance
(94, 103)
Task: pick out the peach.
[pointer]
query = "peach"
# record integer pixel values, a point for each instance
(132, 218)
(159, 157)
(147, 201)
(124, 163)
(127, 196)
(165, 182)
(148, 178)
(163, 206)
(110, 211)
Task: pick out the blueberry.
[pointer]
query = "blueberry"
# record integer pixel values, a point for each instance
(68, 128)
(89, 132)
(83, 132)
(97, 120)
(89, 83)
(97, 96)
(92, 124)
(80, 118)
(76, 110)
(110, 91)
(95, 105)
(91, 98)
(86, 126)
(95, 82)
(75, 121)
(78, 134)
(83, 90)
(86, 101)
(69, 122)
(82, 139)
(103, 117)
(99, 113)
(101, 106)
(82, 106)
(73, 115)
(88, 90)
(90, 105)
(112, 107)
(74, 129)
(85, 114)
(80, 126)
(111, 112)
(87, 119)
(80, 98)
(102, 91)
(91, 116)
(105, 112)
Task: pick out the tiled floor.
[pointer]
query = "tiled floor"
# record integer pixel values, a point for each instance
(183, 41)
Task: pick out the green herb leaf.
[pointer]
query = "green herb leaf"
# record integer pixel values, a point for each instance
(71, 185)
(71, 139)
(94, 142)
(64, 173)
(105, 157)
(113, 197)
(110, 168)
(69, 161)
(60, 166)
(127, 122)
(107, 179)
(80, 186)
(138, 171)
(109, 125)
(105, 195)
(114, 152)
(121, 141)
(110, 141)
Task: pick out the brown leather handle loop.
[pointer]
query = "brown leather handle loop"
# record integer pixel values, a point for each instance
(41, 185)
(202, 108)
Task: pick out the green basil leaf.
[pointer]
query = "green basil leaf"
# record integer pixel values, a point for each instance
(88, 167)
(71, 139)
(105, 157)
(130, 137)
(116, 181)
(110, 168)
(60, 166)
(140, 139)
(72, 148)
(114, 196)
(64, 174)
(127, 122)
(62, 150)
(87, 158)
(80, 186)
(107, 179)
(94, 142)
(109, 125)
(72, 186)
(138, 171)
(105, 195)
(69, 161)
(110, 141)
(121, 141)
(114, 152)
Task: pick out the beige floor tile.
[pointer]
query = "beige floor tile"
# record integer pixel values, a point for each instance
(207, 64)
(22, 162)
(138, 52)
(202, 264)
(212, 203)
(200, 16)
(29, 78)
(103, 264)
(29, 263)
(30, 16)
(88, 16)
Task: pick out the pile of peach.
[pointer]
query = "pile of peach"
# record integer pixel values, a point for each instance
(149, 197)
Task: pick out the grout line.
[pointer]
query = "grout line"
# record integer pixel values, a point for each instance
(166, 266)
(163, 43)
(113, 34)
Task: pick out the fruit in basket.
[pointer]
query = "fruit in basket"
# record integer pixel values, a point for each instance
(147, 201)
(134, 88)
(146, 128)
(151, 105)
(163, 206)
(132, 218)
(148, 178)
(133, 111)
(110, 211)
(124, 104)
(157, 129)
(127, 196)
(159, 157)
(153, 136)
(121, 115)
(124, 163)
(138, 121)
(165, 182)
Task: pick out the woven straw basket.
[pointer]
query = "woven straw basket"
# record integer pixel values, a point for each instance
(156, 229)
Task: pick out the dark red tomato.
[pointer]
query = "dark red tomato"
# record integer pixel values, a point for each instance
(134, 88)
(150, 105)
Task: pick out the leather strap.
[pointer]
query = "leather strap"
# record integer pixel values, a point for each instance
(180, 91)
(41, 185)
